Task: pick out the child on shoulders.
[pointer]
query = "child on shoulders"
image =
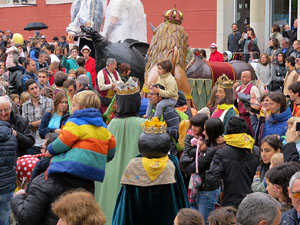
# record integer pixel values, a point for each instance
(84, 144)
(170, 94)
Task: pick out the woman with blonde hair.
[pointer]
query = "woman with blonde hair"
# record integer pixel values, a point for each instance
(78, 207)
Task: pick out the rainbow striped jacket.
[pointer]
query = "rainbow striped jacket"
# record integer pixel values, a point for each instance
(83, 147)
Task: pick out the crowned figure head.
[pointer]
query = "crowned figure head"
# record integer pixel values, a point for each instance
(225, 94)
(173, 16)
(154, 142)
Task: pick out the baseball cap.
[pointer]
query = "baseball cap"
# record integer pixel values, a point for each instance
(213, 45)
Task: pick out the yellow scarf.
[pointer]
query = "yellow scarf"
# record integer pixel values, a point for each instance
(242, 140)
(155, 166)
(227, 106)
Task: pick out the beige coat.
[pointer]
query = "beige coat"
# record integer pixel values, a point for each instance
(171, 90)
(291, 77)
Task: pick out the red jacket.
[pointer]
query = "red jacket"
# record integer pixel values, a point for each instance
(90, 67)
(216, 56)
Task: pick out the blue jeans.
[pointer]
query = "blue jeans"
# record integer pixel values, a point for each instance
(5, 208)
(206, 201)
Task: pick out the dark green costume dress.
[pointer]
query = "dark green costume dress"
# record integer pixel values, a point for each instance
(148, 205)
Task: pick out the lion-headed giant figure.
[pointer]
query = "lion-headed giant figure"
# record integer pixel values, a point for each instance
(169, 41)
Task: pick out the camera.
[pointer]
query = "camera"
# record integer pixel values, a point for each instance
(298, 126)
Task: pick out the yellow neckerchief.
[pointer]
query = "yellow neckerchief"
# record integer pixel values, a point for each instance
(155, 166)
(242, 140)
(227, 107)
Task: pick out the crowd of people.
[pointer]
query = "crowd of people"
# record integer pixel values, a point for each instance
(81, 147)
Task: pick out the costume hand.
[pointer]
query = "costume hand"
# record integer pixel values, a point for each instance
(20, 192)
(47, 155)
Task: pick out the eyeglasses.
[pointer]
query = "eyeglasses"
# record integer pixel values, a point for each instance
(6, 110)
(296, 194)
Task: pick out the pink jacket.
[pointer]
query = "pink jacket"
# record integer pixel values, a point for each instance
(12, 57)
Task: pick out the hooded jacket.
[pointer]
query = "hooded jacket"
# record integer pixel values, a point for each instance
(83, 146)
(8, 158)
(237, 167)
(25, 138)
(276, 123)
(35, 207)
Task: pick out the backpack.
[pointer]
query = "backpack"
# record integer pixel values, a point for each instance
(183, 127)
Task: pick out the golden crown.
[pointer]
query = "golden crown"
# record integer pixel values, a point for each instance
(128, 88)
(154, 126)
(224, 82)
(173, 16)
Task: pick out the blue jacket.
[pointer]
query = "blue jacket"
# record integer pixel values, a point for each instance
(27, 76)
(44, 129)
(289, 217)
(277, 123)
(8, 158)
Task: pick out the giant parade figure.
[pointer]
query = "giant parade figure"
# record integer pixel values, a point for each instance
(169, 41)
(125, 19)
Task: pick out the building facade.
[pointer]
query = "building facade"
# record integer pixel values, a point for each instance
(204, 21)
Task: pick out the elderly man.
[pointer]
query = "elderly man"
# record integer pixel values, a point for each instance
(286, 47)
(107, 79)
(42, 60)
(169, 115)
(224, 99)
(89, 64)
(246, 88)
(8, 146)
(259, 209)
(19, 125)
(291, 217)
(82, 83)
(296, 47)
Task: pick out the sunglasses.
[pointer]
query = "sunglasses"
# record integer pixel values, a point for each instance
(296, 194)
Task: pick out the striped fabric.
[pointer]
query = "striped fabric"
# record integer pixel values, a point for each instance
(83, 146)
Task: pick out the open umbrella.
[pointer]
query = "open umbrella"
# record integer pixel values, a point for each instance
(36, 26)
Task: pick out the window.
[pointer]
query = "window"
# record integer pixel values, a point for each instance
(242, 14)
(49, 2)
(12, 3)
(281, 12)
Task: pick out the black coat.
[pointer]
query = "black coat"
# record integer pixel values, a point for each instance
(290, 152)
(25, 137)
(237, 168)
(35, 207)
(8, 158)
(15, 82)
(188, 163)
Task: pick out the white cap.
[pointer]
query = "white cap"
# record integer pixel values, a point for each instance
(85, 48)
(213, 45)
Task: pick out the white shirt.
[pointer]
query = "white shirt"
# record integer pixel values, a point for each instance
(101, 81)
(54, 58)
(254, 90)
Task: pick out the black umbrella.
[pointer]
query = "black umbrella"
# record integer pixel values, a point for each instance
(36, 26)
